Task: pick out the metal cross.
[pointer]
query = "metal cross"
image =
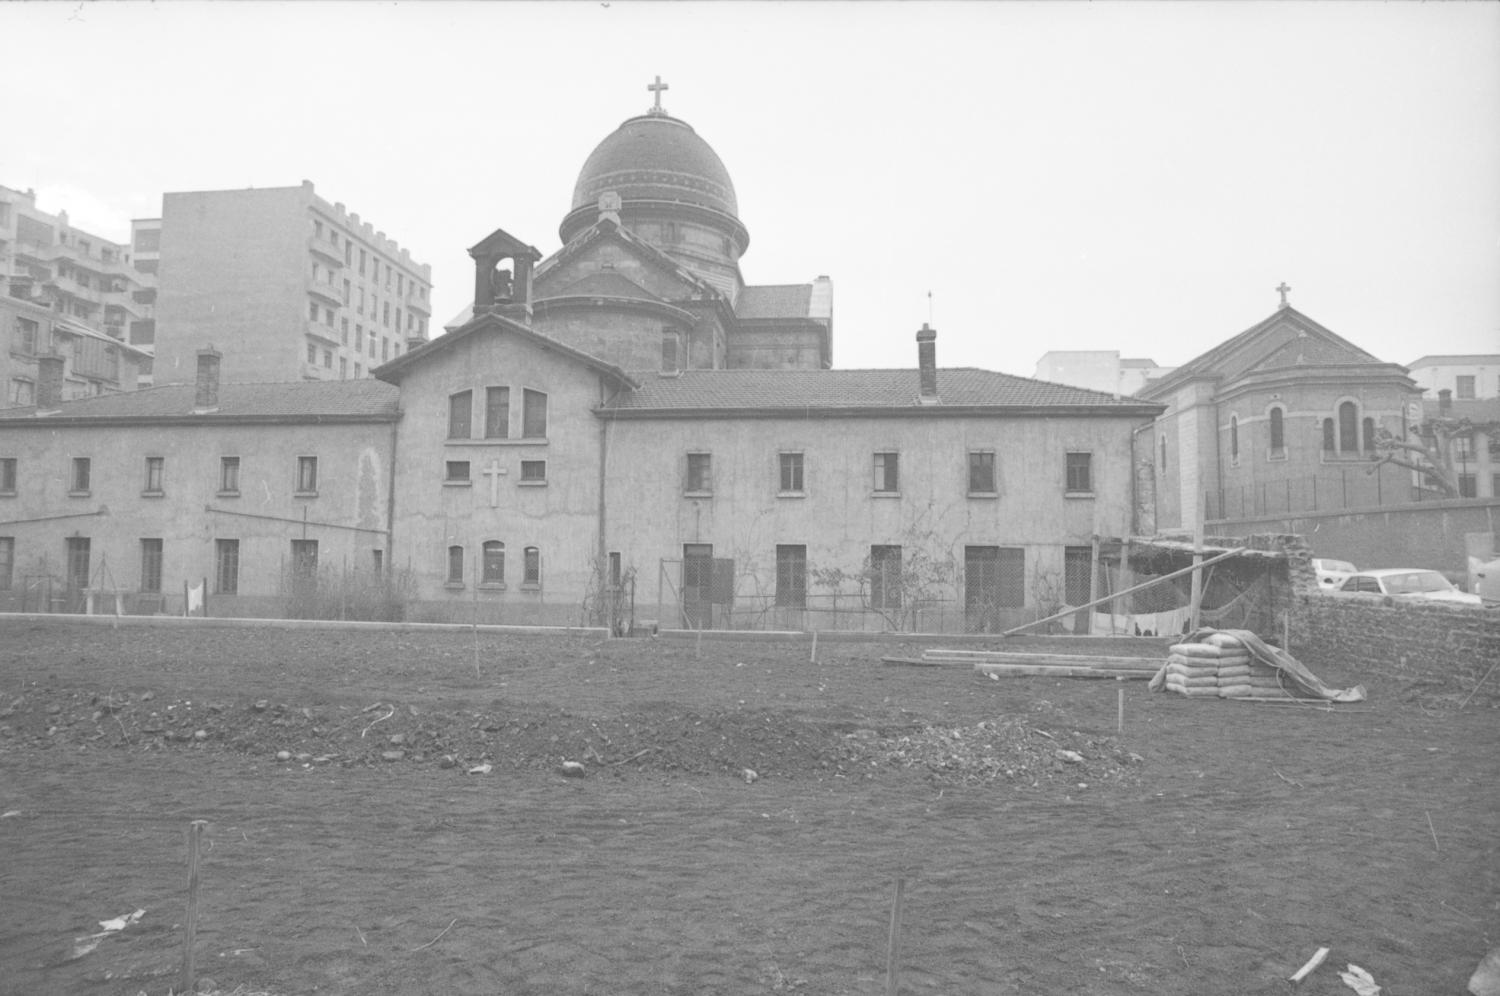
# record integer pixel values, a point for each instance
(494, 472)
(657, 88)
(1282, 291)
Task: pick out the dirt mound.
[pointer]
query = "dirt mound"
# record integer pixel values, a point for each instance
(661, 737)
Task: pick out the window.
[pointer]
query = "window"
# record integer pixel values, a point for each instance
(699, 474)
(1078, 570)
(24, 340)
(791, 473)
(885, 577)
(887, 473)
(496, 412)
(229, 475)
(307, 475)
(359, 337)
(78, 562)
(791, 577)
(7, 475)
(1234, 439)
(460, 414)
(493, 564)
(343, 367)
(312, 311)
(227, 566)
(361, 262)
(1348, 428)
(1278, 433)
(455, 565)
(7, 561)
(1328, 441)
(533, 471)
(1080, 477)
(1464, 387)
(533, 574)
(981, 472)
(344, 331)
(312, 353)
(1369, 435)
(304, 559)
(669, 361)
(377, 560)
(151, 566)
(456, 471)
(81, 467)
(328, 358)
(347, 291)
(22, 392)
(533, 414)
(155, 466)
(1467, 486)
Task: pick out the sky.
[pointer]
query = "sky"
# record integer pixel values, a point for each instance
(1027, 177)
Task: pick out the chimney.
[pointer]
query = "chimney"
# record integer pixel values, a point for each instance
(927, 363)
(49, 386)
(206, 398)
(1445, 402)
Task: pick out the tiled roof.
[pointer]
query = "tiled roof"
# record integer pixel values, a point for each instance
(774, 301)
(361, 400)
(1454, 360)
(832, 390)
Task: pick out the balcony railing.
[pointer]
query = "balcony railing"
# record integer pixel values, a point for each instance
(326, 251)
(324, 290)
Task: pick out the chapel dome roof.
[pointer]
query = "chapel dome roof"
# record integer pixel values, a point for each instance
(656, 157)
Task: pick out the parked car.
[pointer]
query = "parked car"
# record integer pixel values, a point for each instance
(1332, 572)
(1408, 582)
(1486, 580)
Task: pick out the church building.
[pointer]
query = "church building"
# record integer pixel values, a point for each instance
(621, 432)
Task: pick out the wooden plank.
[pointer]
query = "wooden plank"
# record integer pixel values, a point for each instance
(1023, 655)
(1042, 670)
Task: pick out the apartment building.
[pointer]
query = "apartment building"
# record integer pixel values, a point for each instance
(285, 284)
(67, 292)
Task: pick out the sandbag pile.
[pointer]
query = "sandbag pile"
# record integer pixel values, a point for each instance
(1221, 666)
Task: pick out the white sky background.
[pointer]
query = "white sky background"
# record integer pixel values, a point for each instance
(1128, 176)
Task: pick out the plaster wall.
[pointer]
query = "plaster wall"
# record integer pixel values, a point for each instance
(346, 515)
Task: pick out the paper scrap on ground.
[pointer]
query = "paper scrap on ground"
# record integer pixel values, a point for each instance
(1360, 981)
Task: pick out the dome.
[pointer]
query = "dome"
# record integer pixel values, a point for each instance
(655, 157)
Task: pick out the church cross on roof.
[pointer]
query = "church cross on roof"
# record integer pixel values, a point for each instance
(656, 88)
(1282, 290)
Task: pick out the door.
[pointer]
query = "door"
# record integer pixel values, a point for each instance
(697, 585)
(78, 572)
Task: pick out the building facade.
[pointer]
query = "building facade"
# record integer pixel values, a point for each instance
(1282, 418)
(1098, 370)
(286, 285)
(69, 292)
(622, 432)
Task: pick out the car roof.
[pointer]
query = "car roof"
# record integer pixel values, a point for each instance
(1385, 572)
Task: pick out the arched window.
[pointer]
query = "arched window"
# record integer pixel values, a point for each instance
(1278, 433)
(492, 566)
(1369, 435)
(1328, 444)
(455, 565)
(1348, 428)
(1234, 437)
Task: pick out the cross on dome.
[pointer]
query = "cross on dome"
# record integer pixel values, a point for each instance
(656, 88)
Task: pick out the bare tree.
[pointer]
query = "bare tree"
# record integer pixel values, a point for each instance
(1429, 449)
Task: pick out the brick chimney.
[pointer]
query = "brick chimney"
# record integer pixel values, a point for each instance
(206, 397)
(927, 364)
(49, 382)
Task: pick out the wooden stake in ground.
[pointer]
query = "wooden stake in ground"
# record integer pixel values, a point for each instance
(1120, 720)
(893, 947)
(813, 657)
(190, 929)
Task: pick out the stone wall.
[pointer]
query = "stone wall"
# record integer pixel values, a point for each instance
(1413, 648)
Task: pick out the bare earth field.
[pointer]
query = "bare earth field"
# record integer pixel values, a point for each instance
(1210, 847)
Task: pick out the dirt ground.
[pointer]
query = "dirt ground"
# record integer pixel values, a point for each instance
(1209, 847)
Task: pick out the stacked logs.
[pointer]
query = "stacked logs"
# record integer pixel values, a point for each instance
(1221, 667)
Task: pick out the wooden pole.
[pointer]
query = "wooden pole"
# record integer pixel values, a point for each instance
(893, 946)
(1197, 588)
(190, 929)
(1127, 578)
(1120, 716)
(813, 657)
(1140, 587)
